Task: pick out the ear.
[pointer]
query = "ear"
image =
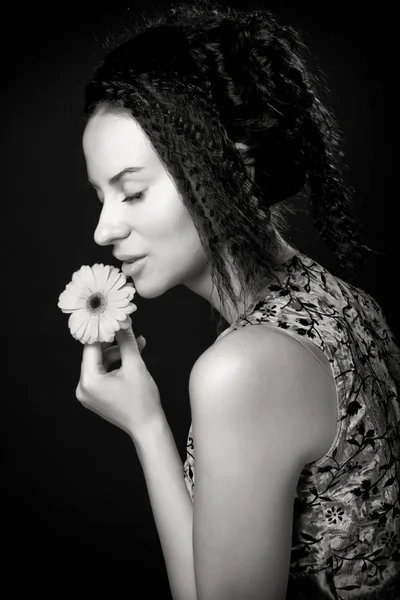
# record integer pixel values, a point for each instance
(243, 148)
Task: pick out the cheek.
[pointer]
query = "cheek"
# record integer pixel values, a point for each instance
(175, 229)
(179, 250)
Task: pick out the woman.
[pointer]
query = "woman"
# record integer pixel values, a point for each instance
(197, 127)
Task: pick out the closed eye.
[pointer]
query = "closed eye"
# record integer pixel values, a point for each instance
(138, 196)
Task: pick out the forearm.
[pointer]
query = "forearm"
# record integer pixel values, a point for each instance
(171, 505)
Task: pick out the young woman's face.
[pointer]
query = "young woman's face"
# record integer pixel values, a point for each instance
(155, 223)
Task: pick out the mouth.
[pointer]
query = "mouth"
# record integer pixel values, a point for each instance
(131, 267)
(128, 259)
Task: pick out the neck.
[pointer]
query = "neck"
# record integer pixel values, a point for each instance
(229, 312)
(202, 285)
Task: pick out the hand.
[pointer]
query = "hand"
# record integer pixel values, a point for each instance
(127, 397)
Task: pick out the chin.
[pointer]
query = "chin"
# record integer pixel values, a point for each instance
(147, 288)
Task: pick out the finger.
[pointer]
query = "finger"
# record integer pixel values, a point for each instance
(141, 340)
(128, 344)
(92, 359)
(105, 345)
(110, 356)
(112, 353)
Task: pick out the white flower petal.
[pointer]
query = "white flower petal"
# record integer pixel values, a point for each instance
(72, 290)
(93, 330)
(105, 337)
(119, 303)
(106, 332)
(127, 286)
(69, 302)
(101, 274)
(120, 294)
(106, 324)
(125, 324)
(128, 289)
(88, 277)
(130, 309)
(118, 271)
(68, 293)
(116, 313)
(120, 284)
(109, 323)
(76, 284)
(78, 276)
(76, 319)
(121, 281)
(83, 337)
(113, 277)
(79, 287)
(85, 334)
(127, 308)
(80, 332)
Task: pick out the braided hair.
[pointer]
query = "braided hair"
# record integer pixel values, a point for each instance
(197, 79)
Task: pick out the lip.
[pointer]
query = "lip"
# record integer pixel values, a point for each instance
(131, 267)
(128, 259)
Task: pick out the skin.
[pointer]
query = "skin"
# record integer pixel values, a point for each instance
(157, 224)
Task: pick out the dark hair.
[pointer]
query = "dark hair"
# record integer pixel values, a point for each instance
(199, 78)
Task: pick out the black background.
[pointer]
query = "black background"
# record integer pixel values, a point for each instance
(76, 512)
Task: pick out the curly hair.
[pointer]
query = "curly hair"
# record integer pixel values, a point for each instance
(198, 79)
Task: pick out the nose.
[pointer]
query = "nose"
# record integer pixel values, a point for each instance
(107, 231)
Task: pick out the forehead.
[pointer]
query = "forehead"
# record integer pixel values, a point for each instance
(112, 139)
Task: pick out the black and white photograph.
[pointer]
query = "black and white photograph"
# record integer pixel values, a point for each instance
(203, 331)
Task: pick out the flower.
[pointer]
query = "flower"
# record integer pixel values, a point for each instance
(99, 299)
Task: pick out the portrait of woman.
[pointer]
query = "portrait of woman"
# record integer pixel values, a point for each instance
(199, 126)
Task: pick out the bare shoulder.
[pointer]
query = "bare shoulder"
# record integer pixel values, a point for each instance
(264, 370)
(260, 412)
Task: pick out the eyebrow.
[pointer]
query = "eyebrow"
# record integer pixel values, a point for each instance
(117, 178)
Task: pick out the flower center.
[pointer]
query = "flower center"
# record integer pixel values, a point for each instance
(96, 303)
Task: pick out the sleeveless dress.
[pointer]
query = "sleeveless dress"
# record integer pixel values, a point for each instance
(346, 520)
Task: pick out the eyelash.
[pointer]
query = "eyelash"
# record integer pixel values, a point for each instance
(134, 196)
(129, 198)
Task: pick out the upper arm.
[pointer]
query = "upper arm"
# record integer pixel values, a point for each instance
(248, 423)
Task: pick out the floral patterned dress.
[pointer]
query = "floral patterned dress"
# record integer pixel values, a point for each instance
(346, 526)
